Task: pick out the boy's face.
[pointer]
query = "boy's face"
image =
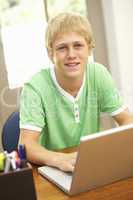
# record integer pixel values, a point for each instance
(70, 54)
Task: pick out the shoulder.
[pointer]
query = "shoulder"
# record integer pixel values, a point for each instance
(40, 79)
(98, 76)
(39, 83)
(96, 68)
(96, 71)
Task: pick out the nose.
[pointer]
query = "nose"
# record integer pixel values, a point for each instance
(71, 52)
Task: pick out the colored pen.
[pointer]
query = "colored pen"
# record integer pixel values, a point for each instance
(13, 163)
(22, 152)
(22, 155)
(2, 161)
(7, 164)
(15, 156)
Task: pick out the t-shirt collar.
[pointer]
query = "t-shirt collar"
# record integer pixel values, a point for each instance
(62, 91)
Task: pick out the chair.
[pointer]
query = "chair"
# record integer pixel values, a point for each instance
(10, 132)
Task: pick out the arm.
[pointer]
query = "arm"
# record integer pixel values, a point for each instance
(40, 155)
(125, 117)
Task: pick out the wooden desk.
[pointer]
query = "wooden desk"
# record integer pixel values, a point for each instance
(122, 190)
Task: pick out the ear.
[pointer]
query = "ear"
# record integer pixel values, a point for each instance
(50, 54)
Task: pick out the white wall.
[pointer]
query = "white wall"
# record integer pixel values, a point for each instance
(118, 18)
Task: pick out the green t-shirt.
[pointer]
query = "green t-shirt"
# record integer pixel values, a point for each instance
(62, 119)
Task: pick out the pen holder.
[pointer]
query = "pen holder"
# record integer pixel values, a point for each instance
(17, 185)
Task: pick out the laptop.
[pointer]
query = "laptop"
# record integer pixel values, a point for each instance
(103, 158)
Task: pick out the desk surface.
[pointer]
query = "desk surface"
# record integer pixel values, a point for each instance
(122, 190)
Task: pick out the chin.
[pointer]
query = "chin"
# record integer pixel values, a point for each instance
(74, 75)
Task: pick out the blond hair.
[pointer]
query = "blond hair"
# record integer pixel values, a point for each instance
(68, 22)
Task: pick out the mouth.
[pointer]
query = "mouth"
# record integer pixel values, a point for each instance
(72, 65)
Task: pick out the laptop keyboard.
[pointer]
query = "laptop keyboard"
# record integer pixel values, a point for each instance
(64, 179)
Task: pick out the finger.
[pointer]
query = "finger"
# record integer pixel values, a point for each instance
(73, 161)
(70, 168)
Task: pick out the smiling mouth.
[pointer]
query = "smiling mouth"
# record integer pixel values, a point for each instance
(72, 65)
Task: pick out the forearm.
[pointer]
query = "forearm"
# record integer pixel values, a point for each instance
(128, 120)
(41, 156)
(124, 118)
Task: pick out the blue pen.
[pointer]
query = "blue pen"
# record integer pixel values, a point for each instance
(22, 155)
(22, 152)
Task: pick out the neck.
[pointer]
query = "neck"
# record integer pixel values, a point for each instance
(72, 86)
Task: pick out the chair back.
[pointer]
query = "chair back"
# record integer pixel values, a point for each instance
(10, 132)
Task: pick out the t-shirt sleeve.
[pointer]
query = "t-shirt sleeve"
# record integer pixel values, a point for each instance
(110, 98)
(32, 115)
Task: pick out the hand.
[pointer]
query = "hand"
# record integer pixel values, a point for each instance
(66, 161)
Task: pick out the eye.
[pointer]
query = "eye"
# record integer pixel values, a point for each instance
(78, 45)
(61, 48)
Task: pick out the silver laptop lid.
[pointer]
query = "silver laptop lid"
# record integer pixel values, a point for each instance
(103, 158)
